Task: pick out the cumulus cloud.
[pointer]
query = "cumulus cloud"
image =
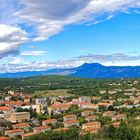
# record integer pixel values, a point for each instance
(10, 39)
(119, 59)
(46, 18)
(51, 16)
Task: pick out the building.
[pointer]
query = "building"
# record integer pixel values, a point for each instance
(5, 109)
(58, 108)
(109, 113)
(49, 121)
(91, 118)
(28, 135)
(41, 129)
(19, 117)
(14, 132)
(69, 117)
(39, 108)
(24, 126)
(94, 126)
(86, 99)
(87, 113)
(71, 123)
(119, 117)
(40, 101)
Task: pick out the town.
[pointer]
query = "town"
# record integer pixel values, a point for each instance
(23, 116)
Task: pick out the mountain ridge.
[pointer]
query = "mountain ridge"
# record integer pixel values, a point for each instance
(87, 70)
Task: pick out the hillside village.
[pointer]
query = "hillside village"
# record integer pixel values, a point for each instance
(23, 115)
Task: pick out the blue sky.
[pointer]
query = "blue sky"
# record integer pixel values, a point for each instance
(38, 35)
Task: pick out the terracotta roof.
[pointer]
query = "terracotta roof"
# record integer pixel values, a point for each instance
(21, 124)
(29, 134)
(71, 121)
(91, 123)
(42, 127)
(91, 117)
(59, 105)
(14, 131)
(49, 120)
(119, 116)
(5, 108)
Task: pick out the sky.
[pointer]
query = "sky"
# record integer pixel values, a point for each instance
(46, 34)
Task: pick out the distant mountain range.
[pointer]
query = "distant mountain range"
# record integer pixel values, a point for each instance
(92, 70)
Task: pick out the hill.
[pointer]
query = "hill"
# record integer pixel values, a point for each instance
(93, 70)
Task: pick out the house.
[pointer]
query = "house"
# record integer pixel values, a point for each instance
(5, 109)
(14, 132)
(28, 135)
(40, 101)
(24, 126)
(119, 117)
(86, 99)
(87, 113)
(109, 113)
(91, 125)
(71, 123)
(56, 108)
(12, 103)
(19, 117)
(49, 121)
(69, 117)
(90, 118)
(41, 129)
(116, 124)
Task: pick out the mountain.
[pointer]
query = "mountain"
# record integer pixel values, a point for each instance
(92, 70)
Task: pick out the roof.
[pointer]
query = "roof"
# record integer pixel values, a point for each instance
(91, 123)
(29, 134)
(68, 116)
(119, 116)
(49, 120)
(91, 117)
(71, 121)
(14, 131)
(42, 127)
(59, 105)
(21, 124)
(5, 108)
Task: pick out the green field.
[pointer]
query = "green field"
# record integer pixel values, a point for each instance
(58, 92)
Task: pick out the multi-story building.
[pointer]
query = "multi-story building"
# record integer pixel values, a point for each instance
(41, 129)
(71, 123)
(87, 113)
(49, 121)
(69, 117)
(19, 117)
(119, 117)
(14, 132)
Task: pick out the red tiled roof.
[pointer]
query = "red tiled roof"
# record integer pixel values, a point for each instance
(5, 108)
(21, 124)
(42, 127)
(49, 120)
(4, 138)
(14, 131)
(71, 121)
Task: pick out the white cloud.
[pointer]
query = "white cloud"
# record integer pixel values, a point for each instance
(18, 64)
(51, 16)
(11, 37)
(33, 53)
